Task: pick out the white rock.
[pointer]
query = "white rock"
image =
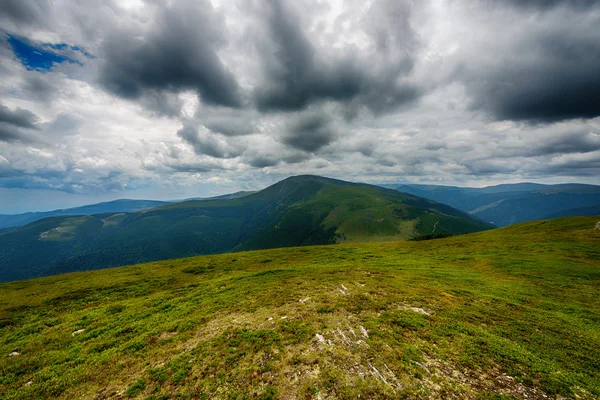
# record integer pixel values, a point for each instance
(14, 354)
(363, 331)
(320, 338)
(284, 317)
(304, 300)
(77, 332)
(29, 383)
(270, 319)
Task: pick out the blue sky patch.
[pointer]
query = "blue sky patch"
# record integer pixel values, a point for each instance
(43, 56)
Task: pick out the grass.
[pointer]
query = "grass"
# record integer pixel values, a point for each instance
(503, 314)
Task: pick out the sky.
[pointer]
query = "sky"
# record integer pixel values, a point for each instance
(162, 99)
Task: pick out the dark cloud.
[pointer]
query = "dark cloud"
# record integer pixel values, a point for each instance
(178, 53)
(9, 133)
(230, 126)
(207, 144)
(296, 74)
(263, 161)
(550, 4)
(161, 104)
(549, 76)
(309, 132)
(27, 12)
(578, 142)
(18, 117)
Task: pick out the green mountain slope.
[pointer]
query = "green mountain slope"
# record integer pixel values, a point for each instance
(124, 205)
(301, 210)
(510, 313)
(513, 203)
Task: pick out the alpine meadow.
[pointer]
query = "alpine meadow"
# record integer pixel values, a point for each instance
(299, 199)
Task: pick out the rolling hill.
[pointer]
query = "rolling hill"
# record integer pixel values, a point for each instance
(123, 205)
(513, 203)
(302, 210)
(511, 313)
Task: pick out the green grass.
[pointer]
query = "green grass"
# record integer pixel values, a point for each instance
(501, 314)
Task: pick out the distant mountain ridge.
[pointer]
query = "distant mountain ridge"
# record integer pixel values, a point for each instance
(301, 210)
(508, 204)
(121, 205)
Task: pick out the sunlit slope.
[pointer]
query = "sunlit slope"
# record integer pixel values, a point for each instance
(503, 314)
(302, 210)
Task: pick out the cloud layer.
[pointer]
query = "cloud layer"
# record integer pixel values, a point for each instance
(172, 97)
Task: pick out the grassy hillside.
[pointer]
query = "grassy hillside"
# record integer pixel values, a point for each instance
(503, 314)
(513, 203)
(302, 210)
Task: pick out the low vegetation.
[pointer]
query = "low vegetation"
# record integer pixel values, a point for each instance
(502, 314)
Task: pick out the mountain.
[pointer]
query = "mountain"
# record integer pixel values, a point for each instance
(513, 203)
(302, 210)
(219, 197)
(510, 313)
(123, 205)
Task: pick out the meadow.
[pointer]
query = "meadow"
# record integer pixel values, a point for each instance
(501, 314)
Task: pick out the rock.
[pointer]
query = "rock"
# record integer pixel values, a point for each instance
(418, 364)
(597, 226)
(14, 354)
(284, 317)
(320, 338)
(363, 332)
(77, 332)
(29, 383)
(304, 300)
(270, 319)
(415, 309)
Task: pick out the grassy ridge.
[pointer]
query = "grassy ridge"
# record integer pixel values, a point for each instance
(302, 210)
(501, 314)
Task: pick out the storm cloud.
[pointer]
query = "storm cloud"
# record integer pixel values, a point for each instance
(18, 117)
(177, 52)
(207, 143)
(27, 12)
(309, 132)
(298, 74)
(186, 98)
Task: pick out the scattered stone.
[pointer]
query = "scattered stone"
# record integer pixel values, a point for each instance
(304, 300)
(77, 332)
(14, 354)
(284, 317)
(415, 309)
(363, 332)
(352, 332)
(320, 338)
(597, 226)
(166, 335)
(270, 319)
(418, 364)
(29, 383)
(379, 376)
(343, 336)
